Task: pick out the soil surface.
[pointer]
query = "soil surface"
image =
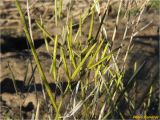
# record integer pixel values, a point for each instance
(16, 59)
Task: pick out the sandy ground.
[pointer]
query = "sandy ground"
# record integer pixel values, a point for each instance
(16, 55)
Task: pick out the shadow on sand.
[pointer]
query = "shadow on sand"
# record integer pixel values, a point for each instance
(7, 86)
(11, 44)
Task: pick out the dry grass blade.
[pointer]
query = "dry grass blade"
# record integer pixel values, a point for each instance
(66, 69)
(77, 70)
(13, 79)
(103, 55)
(102, 112)
(42, 75)
(117, 20)
(61, 8)
(144, 95)
(103, 59)
(64, 63)
(29, 22)
(45, 37)
(69, 45)
(45, 32)
(54, 58)
(91, 25)
(25, 77)
(71, 52)
(79, 104)
(100, 25)
(55, 11)
(94, 56)
(37, 111)
(130, 83)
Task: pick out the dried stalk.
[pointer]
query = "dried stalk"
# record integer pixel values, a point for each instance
(134, 29)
